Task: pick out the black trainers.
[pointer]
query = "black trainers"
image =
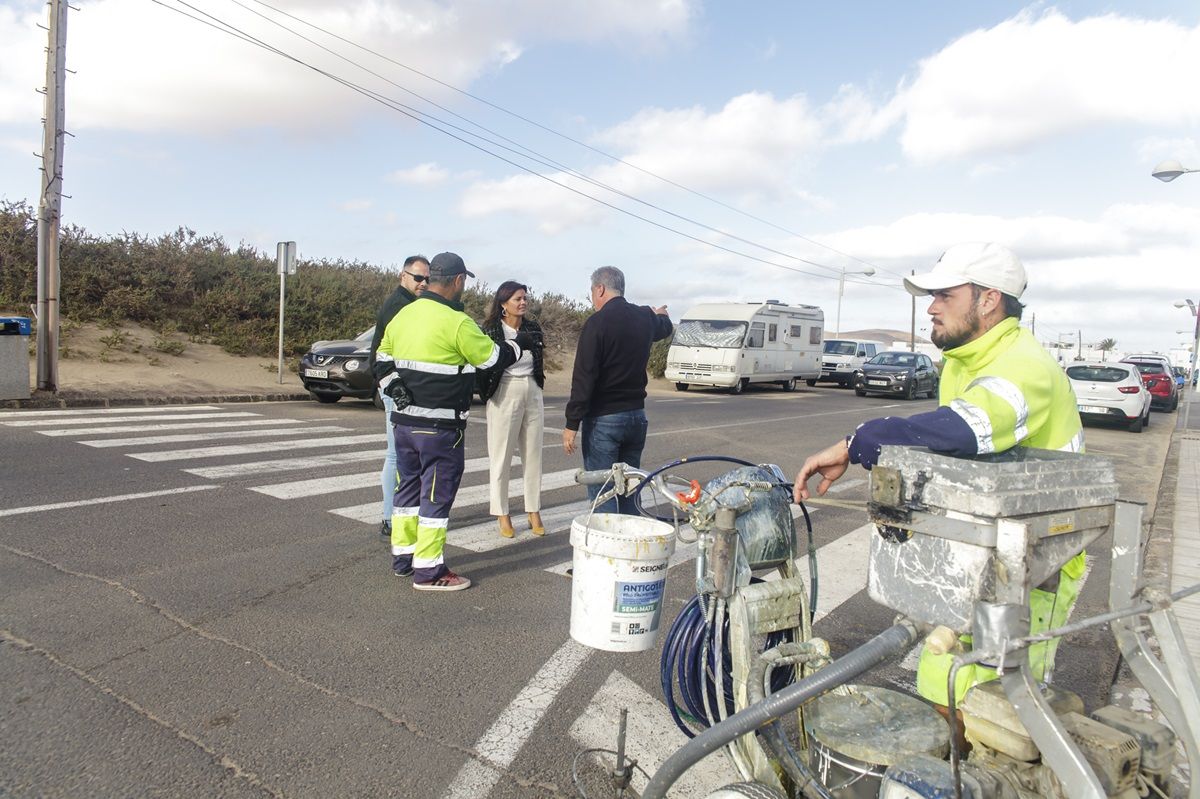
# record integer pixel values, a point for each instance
(447, 582)
(402, 571)
(385, 529)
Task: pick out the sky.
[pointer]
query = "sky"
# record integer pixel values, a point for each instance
(711, 150)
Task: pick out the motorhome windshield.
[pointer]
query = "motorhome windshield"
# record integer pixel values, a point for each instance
(835, 347)
(709, 333)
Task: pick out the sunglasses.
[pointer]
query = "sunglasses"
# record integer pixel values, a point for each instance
(418, 278)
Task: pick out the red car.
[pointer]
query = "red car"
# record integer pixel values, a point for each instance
(1158, 380)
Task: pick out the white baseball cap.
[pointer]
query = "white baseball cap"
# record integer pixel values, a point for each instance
(986, 264)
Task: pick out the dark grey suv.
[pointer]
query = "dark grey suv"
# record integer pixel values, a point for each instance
(331, 370)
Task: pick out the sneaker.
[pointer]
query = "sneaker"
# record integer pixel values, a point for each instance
(385, 529)
(447, 582)
(402, 571)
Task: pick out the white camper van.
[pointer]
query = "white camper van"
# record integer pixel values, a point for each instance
(733, 344)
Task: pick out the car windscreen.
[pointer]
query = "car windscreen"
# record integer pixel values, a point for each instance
(709, 333)
(1150, 368)
(893, 359)
(366, 335)
(1097, 374)
(836, 347)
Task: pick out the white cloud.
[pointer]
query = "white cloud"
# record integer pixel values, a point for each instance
(1038, 75)
(427, 174)
(355, 206)
(142, 67)
(1155, 149)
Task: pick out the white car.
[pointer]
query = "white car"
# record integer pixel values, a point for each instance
(1112, 392)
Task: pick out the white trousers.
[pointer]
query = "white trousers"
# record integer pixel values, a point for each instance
(515, 416)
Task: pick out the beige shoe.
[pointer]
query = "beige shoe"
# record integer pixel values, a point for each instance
(535, 524)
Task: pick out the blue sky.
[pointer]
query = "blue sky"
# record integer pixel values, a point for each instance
(887, 131)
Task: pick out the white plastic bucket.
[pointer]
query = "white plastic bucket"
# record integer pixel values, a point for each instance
(618, 580)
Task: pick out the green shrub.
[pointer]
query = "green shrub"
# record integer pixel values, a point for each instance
(657, 365)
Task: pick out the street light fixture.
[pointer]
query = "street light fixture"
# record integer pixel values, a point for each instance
(1170, 169)
(841, 287)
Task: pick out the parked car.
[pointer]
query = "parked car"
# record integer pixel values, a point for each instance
(1158, 379)
(894, 372)
(843, 358)
(1180, 375)
(331, 370)
(1111, 392)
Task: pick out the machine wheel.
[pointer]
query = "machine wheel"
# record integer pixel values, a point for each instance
(681, 386)
(789, 384)
(810, 383)
(739, 386)
(325, 396)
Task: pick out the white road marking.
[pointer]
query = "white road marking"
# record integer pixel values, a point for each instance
(111, 419)
(178, 438)
(650, 735)
(846, 485)
(776, 420)
(484, 536)
(467, 496)
(841, 569)
(83, 503)
(284, 465)
(249, 449)
(344, 482)
(499, 746)
(142, 428)
(94, 411)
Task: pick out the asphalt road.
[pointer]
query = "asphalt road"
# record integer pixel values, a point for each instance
(234, 629)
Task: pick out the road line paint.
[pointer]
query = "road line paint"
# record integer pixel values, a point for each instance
(111, 419)
(94, 411)
(467, 496)
(345, 482)
(841, 569)
(135, 441)
(707, 427)
(83, 503)
(143, 428)
(483, 536)
(499, 746)
(249, 449)
(650, 735)
(283, 465)
(846, 485)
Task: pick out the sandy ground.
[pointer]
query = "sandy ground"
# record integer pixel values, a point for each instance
(95, 362)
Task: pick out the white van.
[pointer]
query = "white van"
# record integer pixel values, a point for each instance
(843, 358)
(733, 344)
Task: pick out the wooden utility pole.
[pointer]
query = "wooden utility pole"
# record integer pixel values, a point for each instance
(912, 330)
(50, 199)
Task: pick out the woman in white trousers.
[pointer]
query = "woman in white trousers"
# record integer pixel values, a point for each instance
(515, 412)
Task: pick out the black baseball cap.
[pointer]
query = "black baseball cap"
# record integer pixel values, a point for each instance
(448, 264)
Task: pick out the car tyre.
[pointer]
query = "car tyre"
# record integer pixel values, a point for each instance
(910, 392)
(739, 386)
(1137, 425)
(789, 385)
(810, 383)
(1174, 404)
(860, 392)
(933, 389)
(325, 396)
(681, 386)
(377, 401)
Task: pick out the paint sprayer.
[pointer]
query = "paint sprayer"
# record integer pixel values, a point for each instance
(957, 545)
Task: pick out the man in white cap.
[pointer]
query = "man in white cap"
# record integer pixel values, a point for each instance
(999, 389)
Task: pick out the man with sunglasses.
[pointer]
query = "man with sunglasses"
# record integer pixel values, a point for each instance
(413, 279)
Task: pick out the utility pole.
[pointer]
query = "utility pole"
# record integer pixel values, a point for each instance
(1033, 324)
(50, 199)
(912, 330)
(1079, 352)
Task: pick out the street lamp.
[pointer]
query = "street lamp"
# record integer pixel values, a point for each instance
(1170, 169)
(841, 287)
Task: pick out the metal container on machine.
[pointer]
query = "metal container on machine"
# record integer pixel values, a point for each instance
(937, 518)
(854, 737)
(766, 529)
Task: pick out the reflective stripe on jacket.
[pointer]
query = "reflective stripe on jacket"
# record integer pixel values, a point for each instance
(434, 348)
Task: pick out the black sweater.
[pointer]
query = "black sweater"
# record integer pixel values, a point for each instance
(391, 306)
(610, 362)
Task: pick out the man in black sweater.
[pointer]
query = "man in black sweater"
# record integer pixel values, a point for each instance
(608, 386)
(414, 277)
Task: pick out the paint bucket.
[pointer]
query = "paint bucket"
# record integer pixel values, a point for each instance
(618, 580)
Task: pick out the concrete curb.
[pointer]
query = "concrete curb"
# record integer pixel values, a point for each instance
(90, 399)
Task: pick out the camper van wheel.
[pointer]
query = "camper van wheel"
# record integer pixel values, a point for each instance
(739, 386)
(810, 383)
(789, 384)
(681, 386)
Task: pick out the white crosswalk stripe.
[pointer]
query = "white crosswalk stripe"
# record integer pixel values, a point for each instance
(179, 438)
(142, 428)
(346, 482)
(112, 419)
(284, 465)
(250, 449)
(61, 412)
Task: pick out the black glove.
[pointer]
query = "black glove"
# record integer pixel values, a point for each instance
(399, 394)
(525, 340)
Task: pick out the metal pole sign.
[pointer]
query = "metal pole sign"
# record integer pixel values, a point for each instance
(285, 258)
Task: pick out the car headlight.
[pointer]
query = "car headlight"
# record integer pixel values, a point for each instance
(351, 365)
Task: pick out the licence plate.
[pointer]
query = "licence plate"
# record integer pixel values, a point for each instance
(316, 373)
(1092, 409)
(876, 382)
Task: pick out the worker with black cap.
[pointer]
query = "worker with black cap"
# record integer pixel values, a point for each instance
(426, 363)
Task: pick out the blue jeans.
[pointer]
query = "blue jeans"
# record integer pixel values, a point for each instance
(387, 477)
(613, 438)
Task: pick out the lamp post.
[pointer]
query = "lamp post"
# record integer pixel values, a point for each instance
(841, 287)
(1170, 169)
